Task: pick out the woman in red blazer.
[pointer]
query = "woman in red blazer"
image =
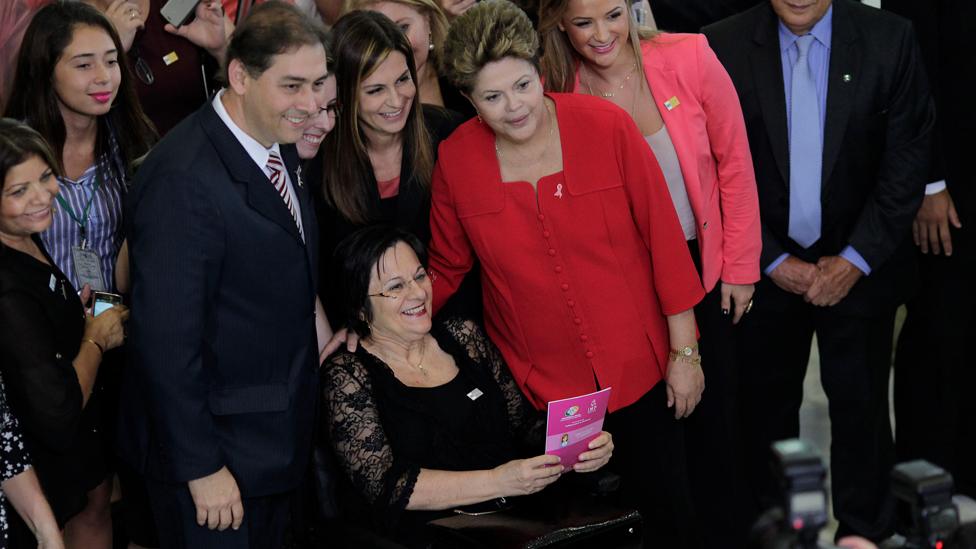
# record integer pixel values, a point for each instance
(686, 107)
(587, 281)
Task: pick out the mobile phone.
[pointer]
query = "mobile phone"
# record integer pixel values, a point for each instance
(104, 301)
(178, 12)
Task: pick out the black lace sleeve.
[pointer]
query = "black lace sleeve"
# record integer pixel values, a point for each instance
(527, 424)
(359, 441)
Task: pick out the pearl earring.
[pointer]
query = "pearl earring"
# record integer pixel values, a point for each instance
(430, 42)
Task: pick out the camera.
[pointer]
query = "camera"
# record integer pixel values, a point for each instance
(926, 516)
(801, 513)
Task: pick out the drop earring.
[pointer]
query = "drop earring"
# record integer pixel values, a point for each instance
(430, 42)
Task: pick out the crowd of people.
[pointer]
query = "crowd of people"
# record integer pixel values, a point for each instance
(369, 241)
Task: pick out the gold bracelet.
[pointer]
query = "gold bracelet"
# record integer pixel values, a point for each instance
(95, 343)
(693, 360)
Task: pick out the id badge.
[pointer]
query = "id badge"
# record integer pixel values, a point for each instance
(88, 268)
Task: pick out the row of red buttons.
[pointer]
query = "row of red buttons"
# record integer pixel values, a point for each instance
(565, 287)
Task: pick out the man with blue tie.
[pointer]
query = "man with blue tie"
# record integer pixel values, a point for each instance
(839, 119)
(219, 400)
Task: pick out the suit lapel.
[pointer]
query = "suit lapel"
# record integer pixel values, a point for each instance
(261, 194)
(767, 72)
(842, 80)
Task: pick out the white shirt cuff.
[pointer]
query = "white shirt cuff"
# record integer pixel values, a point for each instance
(935, 187)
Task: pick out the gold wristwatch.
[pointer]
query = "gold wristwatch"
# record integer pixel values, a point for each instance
(685, 354)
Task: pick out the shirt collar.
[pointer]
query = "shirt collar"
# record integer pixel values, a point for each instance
(254, 149)
(822, 31)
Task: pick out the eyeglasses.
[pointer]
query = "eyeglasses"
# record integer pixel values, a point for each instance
(143, 72)
(399, 290)
(331, 110)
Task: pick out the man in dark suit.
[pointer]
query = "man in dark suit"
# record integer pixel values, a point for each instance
(220, 397)
(934, 364)
(839, 119)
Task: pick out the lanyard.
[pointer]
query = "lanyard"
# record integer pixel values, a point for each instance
(82, 220)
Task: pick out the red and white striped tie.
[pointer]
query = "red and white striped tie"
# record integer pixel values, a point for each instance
(276, 169)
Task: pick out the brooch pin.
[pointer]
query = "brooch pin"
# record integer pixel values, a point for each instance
(559, 191)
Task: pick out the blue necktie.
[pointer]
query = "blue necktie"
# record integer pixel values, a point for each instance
(806, 151)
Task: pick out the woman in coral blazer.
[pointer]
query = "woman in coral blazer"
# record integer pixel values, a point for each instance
(685, 105)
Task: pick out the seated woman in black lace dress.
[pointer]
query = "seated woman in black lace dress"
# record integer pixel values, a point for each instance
(424, 419)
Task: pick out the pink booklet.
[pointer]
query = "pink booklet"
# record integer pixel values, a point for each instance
(573, 422)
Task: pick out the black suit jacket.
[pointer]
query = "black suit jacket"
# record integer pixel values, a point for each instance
(944, 29)
(222, 329)
(692, 15)
(876, 141)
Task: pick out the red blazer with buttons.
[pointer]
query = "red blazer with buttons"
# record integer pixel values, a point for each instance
(709, 137)
(577, 277)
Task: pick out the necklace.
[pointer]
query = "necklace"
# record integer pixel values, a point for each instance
(378, 351)
(420, 363)
(538, 157)
(609, 94)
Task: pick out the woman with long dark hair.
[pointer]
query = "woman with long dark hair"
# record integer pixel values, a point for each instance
(379, 155)
(378, 160)
(74, 87)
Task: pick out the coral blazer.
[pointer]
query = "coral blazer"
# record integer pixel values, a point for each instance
(578, 274)
(709, 136)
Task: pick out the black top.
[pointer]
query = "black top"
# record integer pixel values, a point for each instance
(384, 432)
(43, 322)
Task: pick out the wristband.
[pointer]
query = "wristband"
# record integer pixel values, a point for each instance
(96, 344)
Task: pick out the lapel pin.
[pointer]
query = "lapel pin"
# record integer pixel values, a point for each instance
(846, 78)
(298, 176)
(672, 103)
(559, 190)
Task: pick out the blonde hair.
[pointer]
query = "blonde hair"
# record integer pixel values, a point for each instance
(559, 58)
(436, 18)
(490, 31)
